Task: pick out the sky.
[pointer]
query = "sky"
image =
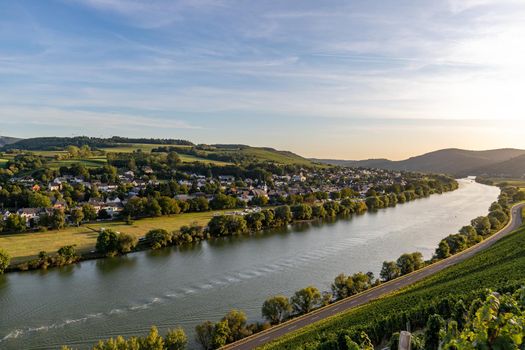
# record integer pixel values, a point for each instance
(327, 79)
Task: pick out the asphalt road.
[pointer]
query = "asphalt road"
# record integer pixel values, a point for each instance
(364, 297)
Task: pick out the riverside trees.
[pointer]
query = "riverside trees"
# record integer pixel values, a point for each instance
(4, 261)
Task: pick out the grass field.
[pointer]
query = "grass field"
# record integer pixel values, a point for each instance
(498, 266)
(3, 162)
(23, 246)
(88, 163)
(511, 182)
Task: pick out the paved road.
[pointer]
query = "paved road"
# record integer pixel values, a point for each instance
(362, 298)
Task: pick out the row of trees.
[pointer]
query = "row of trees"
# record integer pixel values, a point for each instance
(175, 339)
(479, 228)
(230, 225)
(66, 255)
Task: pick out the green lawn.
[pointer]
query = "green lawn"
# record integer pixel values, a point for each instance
(498, 266)
(22, 246)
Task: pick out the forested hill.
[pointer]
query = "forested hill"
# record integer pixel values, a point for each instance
(499, 162)
(55, 143)
(6, 140)
(221, 154)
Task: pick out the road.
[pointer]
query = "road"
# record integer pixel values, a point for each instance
(373, 293)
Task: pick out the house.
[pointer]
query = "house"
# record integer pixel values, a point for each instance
(30, 214)
(113, 208)
(56, 185)
(147, 170)
(96, 203)
(299, 178)
(226, 179)
(59, 204)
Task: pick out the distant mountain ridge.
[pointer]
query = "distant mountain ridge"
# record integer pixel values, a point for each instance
(506, 162)
(6, 140)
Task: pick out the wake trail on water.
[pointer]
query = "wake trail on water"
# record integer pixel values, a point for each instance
(230, 278)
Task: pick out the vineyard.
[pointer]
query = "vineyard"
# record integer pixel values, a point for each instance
(501, 267)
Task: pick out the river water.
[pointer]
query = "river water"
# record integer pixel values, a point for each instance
(79, 304)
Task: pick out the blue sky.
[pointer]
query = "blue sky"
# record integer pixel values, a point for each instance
(338, 79)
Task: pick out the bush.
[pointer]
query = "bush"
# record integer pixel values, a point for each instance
(158, 238)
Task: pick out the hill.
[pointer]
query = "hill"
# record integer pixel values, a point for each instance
(6, 140)
(512, 168)
(452, 161)
(219, 154)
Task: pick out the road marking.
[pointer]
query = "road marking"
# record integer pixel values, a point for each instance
(264, 339)
(315, 318)
(292, 327)
(336, 308)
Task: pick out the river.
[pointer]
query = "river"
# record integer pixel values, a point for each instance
(80, 304)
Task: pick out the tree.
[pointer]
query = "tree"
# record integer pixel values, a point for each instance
(173, 159)
(77, 215)
(222, 201)
(5, 259)
(153, 341)
(38, 200)
(305, 300)
(15, 223)
(220, 335)
(168, 205)
(204, 334)
(283, 215)
(456, 243)
(410, 262)
(158, 238)
(152, 207)
(176, 339)
(236, 321)
(68, 254)
(276, 309)
(135, 206)
(443, 250)
(107, 242)
(302, 212)
(482, 225)
(318, 211)
(340, 286)
(89, 211)
(435, 325)
(389, 271)
(255, 221)
(57, 219)
(126, 243)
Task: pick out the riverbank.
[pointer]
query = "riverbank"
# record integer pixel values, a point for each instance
(78, 304)
(274, 219)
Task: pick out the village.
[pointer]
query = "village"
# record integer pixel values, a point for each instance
(98, 200)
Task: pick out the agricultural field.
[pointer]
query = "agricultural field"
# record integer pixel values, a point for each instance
(511, 182)
(88, 163)
(498, 266)
(23, 246)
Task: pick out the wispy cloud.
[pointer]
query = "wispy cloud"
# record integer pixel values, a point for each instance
(187, 63)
